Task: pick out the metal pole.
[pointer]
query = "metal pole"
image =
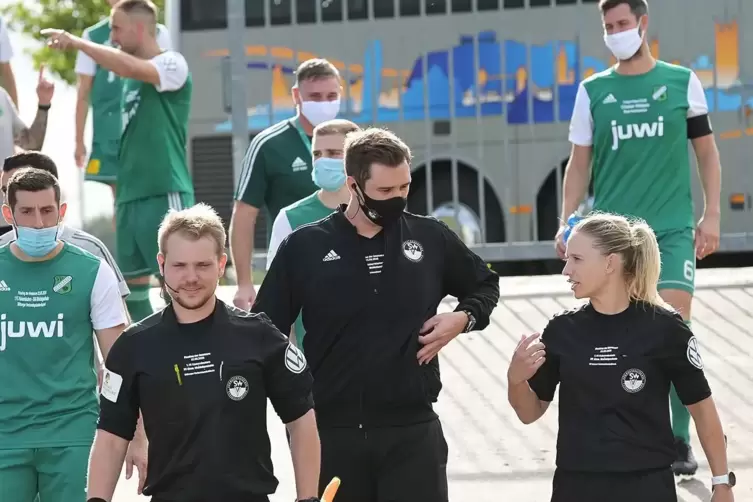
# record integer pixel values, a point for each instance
(236, 29)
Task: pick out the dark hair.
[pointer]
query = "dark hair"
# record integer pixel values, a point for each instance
(371, 146)
(315, 69)
(29, 179)
(637, 7)
(31, 159)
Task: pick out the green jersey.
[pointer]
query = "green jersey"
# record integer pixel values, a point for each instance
(48, 311)
(106, 93)
(305, 211)
(277, 169)
(637, 126)
(155, 127)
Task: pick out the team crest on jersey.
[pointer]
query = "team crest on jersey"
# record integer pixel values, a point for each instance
(694, 356)
(660, 93)
(237, 388)
(633, 380)
(295, 361)
(62, 284)
(413, 250)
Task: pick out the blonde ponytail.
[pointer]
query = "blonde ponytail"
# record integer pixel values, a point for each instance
(644, 271)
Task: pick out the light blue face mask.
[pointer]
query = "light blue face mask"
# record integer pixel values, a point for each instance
(37, 242)
(329, 174)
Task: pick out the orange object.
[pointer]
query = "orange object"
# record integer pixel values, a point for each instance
(331, 490)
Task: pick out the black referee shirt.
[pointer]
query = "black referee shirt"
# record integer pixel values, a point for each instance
(614, 373)
(202, 389)
(363, 303)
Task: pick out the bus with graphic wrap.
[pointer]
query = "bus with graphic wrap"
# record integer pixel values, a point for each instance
(481, 90)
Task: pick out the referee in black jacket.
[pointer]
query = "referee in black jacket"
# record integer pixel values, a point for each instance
(368, 280)
(201, 372)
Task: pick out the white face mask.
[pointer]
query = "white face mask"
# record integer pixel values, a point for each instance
(624, 44)
(317, 112)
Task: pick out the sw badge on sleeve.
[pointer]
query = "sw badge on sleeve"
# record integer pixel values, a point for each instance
(111, 383)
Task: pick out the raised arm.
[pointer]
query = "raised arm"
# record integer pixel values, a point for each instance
(7, 77)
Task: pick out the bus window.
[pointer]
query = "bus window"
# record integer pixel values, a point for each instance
(514, 4)
(383, 8)
(487, 4)
(410, 8)
(461, 6)
(436, 6)
(332, 11)
(279, 12)
(254, 12)
(566, 2)
(305, 11)
(202, 15)
(358, 9)
(541, 3)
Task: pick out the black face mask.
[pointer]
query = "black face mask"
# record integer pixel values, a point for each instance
(381, 212)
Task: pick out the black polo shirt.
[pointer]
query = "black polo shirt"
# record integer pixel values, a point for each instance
(614, 373)
(363, 303)
(202, 389)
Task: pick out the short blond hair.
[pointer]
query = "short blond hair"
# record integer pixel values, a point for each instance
(336, 126)
(195, 222)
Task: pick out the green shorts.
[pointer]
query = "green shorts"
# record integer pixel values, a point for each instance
(57, 474)
(102, 166)
(677, 249)
(136, 225)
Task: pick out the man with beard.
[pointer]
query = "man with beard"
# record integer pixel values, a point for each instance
(153, 175)
(200, 371)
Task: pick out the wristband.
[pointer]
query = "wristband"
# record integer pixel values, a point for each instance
(45, 108)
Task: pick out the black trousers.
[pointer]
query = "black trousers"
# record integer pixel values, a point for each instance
(390, 464)
(657, 485)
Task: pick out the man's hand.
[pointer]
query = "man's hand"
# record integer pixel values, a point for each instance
(137, 456)
(60, 39)
(559, 242)
(707, 236)
(45, 88)
(80, 155)
(245, 296)
(438, 332)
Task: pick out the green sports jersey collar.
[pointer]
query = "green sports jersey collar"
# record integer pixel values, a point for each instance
(304, 137)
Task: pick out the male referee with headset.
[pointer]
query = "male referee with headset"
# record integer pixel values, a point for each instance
(201, 371)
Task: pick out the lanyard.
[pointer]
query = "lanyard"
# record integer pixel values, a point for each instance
(304, 137)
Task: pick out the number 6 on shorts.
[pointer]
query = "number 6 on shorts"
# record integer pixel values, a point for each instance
(689, 270)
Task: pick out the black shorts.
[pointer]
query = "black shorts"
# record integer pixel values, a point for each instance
(390, 464)
(657, 485)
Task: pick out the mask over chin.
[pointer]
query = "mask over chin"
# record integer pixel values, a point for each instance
(382, 212)
(317, 112)
(37, 242)
(624, 44)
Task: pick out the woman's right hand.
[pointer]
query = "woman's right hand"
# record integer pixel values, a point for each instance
(526, 360)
